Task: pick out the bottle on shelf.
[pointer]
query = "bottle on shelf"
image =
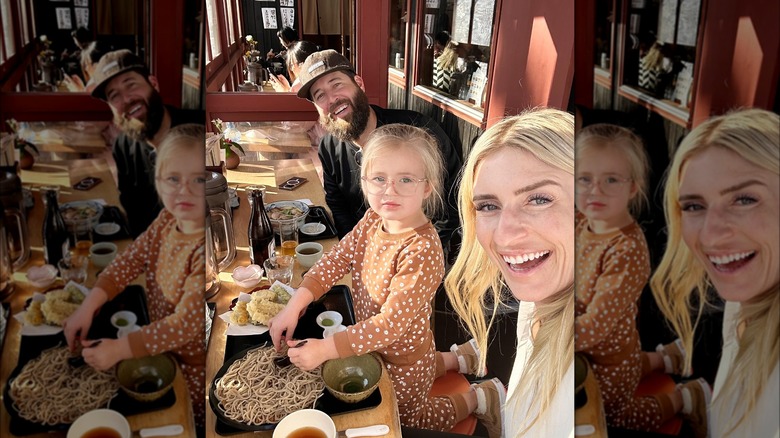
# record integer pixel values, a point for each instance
(260, 232)
(55, 233)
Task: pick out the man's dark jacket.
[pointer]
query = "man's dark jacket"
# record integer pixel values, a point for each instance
(135, 171)
(341, 174)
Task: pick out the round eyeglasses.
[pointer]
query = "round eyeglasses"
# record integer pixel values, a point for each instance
(609, 185)
(404, 186)
(173, 183)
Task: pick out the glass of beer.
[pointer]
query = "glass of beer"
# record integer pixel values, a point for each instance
(82, 236)
(288, 236)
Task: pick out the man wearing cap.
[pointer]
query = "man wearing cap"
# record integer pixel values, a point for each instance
(122, 80)
(339, 95)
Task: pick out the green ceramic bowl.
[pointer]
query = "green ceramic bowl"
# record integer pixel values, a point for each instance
(146, 379)
(352, 379)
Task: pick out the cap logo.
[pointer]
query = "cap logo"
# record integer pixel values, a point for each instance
(315, 66)
(110, 65)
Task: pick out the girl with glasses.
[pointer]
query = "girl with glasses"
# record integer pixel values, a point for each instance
(397, 263)
(171, 255)
(613, 266)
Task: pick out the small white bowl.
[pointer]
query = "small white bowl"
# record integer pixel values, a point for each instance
(42, 276)
(308, 253)
(312, 228)
(332, 315)
(100, 418)
(305, 418)
(125, 316)
(247, 276)
(330, 331)
(107, 228)
(102, 254)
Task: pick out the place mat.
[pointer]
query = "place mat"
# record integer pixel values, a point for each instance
(339, 299)
(318, 214)
(133, 298)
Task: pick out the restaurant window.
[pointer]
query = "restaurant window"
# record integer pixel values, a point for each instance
(230, 19)
(8, 29)
(456, 48)
(399, 18)
(660, 49)
(213, 29)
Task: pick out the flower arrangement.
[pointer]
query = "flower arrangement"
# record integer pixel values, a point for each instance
(46, 54)
(227, 143)
(252, 54)
(26, 159)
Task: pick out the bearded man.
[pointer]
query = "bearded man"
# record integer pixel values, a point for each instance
(338, 93)
(124, 83)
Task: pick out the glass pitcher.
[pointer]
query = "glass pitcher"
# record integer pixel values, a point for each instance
(212, 266)
(14, 217)
(218, 199)
(6, 268)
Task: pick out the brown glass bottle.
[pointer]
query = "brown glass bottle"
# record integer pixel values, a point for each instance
(55, 234)
(260, 231)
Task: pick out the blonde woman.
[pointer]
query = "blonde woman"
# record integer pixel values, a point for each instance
(516, 204)
(723, 214)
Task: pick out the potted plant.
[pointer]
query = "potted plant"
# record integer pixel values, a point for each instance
(26, 158)
(232, 160)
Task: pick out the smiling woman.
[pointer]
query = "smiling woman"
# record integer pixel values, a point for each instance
(725, 232)
(516, 203)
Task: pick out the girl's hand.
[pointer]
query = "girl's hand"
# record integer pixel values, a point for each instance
(107, 353)
(77, 325)
(285, 321)
(313, 353)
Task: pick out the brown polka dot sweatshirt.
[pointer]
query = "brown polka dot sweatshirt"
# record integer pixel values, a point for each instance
(175, 279)
(612, 270)
(394, 279)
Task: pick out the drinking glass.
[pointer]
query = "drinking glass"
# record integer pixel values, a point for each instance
(288, 236)
(279, 268)
(73, 268)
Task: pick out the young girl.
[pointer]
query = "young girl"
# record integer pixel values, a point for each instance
(721, 205)
(613, 265)
(171, 255)
(516, 202)
(396, 261)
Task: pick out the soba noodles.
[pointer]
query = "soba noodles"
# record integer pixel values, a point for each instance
(255, 391)
(50, 391)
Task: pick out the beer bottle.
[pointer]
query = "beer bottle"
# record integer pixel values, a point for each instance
(55, 234)
(260, 232)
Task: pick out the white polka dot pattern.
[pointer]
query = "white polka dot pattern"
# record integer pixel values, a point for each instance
(175, 280)
(612, 270)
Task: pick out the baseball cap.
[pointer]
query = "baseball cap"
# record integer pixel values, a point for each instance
(113, 64)
(319, 64)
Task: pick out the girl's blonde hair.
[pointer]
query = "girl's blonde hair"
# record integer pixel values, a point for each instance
(181, 140)
(396, 136)
(681, 280)
(604, 135)
(548, 135)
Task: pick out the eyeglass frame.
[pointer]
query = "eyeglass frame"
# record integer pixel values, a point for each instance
(163, 183)
(392, 181)
(579, 187)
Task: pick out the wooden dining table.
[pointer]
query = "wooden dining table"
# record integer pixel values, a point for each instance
(65, 174)
(271, 174)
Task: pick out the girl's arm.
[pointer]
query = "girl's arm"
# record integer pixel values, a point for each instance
(131, 262)
(626, 270)
(420, 269)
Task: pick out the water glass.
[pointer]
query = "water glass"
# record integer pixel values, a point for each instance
(73, 268)
(279, 268)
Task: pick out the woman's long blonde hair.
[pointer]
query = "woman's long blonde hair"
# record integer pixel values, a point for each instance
(548, 135)
(681, 280)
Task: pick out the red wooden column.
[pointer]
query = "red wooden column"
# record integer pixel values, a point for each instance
(167, 44)
(585, 33)
(372, 20)
(534, 57)
(741, 46)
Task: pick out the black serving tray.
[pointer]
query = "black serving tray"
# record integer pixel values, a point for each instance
(318, 214)
(339, 298)
(112, 214)
(133, 298)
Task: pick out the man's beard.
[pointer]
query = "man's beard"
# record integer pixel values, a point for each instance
(141, 131)
(348, 130)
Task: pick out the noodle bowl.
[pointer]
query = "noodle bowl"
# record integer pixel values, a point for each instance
(254, 391)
